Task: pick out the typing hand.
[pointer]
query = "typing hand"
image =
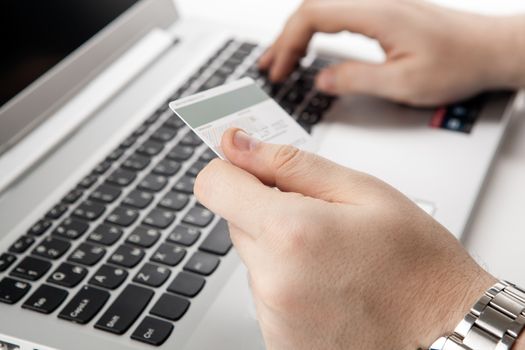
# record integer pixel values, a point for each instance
(433, 55)
(337, 259)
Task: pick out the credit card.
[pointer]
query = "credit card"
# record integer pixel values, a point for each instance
(239, 104)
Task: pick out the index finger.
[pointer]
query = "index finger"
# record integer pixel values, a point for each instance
(241, 198)
(328, 16)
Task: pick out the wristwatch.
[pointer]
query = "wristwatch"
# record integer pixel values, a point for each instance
(493, 323)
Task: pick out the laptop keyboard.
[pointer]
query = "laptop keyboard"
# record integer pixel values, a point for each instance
(136, 209)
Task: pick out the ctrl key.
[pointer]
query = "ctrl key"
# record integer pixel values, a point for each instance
(12, 290)
(152, 331)
(85, 305)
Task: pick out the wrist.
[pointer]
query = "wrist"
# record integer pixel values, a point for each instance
(495, 321)
(506, 42)
(453, 298)
(520, 343)
(469, 291)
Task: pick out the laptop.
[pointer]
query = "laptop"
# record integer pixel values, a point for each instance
(102, 244)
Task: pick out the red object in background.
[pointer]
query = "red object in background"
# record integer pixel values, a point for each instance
(437, 119)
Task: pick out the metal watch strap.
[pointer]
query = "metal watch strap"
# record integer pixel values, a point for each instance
(493, 323)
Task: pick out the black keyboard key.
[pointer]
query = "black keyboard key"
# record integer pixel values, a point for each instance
(138, 199)
(152, 119)
(185, 185)
(184, 235)
(159, 218)
(87, 254)
(144, 127)
(143, 236)
(84, 305)
(198, 216)
(232, 63)
(288, 107)
(274, 89)
(126, 256)
(320, 102)
(309, 117)
(306, 127)
(305, 83)
(109, 277)
(106, 193)
(169, 254)
(73, 196)
(196, 168)
(174, 201)
(247, 47)
(207, 156)
(6, 260)
(22, 244)
(152, 331)
(171, 307)
(45, 299)
(128, 142)
(57, 211)
(39, 228)
(68, 275)
(181, 153)
(213, 81)
(153, 183)
(71, 228)
(122, 177)
(191, 139)
(89, 210)
(31, 268)
(52, 248)
(116, 154)
(105, 234)
(150, 148)
(102, 167)
(11, 291)
(187, 284)
(88, 181)
(240, 55)
(122, 216)
(226, 69)
(202, 263)
(294, 96)
(163, 134)
(174, 122)
(125, 309)
(218, 240)
(136, 162)
(152, 275)
(167, 168)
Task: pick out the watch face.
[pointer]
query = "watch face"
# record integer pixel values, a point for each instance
(438, 344)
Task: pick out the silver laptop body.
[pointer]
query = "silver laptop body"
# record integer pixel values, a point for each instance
(64, 125)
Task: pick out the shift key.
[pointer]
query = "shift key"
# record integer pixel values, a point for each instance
(125, 309)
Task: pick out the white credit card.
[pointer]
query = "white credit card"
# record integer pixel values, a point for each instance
(239, 104)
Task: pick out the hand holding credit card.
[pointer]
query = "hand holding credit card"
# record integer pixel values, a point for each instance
(240, 104)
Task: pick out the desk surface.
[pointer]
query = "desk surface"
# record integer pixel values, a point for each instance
(496, 237)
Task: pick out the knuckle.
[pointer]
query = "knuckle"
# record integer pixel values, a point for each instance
(286, 159)
(278, 294)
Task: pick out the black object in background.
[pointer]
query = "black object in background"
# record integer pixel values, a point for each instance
(36, 35)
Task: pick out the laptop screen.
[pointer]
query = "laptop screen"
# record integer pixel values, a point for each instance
(36, 35)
